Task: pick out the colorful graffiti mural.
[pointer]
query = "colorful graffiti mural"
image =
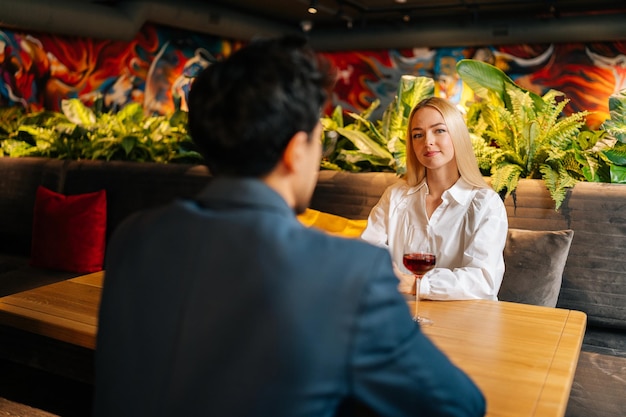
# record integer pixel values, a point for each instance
(37, 71)
(587, 73)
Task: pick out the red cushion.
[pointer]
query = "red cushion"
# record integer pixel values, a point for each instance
(69, 232)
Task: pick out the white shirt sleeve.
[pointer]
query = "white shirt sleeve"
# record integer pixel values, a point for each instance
(376, 231)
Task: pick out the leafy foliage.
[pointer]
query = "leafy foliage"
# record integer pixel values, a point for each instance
(589, 150)
(354, 147)
(411, 90)
(515, 134)
(365, 145)
(529, 135)
(616, 124)
(82, 133)
(615, 128)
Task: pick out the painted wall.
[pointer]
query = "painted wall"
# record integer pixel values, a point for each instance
(39, 70)
(587, 73)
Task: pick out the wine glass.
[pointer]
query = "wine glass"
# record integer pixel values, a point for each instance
(418, 258)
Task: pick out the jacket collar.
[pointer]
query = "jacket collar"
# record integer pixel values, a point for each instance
(231, 193)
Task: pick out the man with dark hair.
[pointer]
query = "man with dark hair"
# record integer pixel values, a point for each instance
(226, 305)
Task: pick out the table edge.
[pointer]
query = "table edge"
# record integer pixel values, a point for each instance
(572, 335)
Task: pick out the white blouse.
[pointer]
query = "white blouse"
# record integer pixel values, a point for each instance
(467, 231)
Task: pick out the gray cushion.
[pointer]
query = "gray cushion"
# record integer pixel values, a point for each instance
(534, 262)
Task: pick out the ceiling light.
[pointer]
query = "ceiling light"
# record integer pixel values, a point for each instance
(313, 7)
(306, 25)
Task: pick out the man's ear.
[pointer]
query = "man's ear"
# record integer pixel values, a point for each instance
(295, 150)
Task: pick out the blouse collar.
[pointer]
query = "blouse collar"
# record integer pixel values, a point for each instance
(461, 191)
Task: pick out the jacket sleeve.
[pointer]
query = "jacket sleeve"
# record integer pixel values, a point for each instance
(396, 370)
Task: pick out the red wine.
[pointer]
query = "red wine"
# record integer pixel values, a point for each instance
(419, 263)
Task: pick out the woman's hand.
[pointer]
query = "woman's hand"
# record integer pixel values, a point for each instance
(407, 281)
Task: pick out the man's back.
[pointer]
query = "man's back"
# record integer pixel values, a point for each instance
(228, 306)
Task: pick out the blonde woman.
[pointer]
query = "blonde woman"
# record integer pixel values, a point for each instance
(445, 200)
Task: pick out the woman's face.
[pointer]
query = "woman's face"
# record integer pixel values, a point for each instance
(431, 140)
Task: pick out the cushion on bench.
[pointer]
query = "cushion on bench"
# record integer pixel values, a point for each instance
(534, 262)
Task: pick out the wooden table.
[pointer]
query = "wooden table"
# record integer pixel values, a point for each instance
(522, 357)
(65, 311)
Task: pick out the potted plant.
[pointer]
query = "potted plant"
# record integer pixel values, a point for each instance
(519, 134)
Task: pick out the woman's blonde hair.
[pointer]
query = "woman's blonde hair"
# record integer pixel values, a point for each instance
(463, 152)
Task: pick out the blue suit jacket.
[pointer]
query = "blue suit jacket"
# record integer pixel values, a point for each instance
(227, 306)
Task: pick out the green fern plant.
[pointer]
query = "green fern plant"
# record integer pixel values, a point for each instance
(528, 134)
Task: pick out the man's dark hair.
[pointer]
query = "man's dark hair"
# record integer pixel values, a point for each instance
(244, 110)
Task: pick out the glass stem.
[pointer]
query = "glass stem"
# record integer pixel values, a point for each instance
(417, 295)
